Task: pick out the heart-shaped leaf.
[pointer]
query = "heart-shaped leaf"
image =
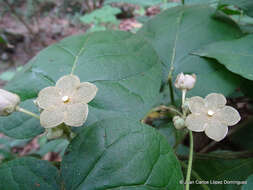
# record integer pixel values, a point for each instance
(125, 69)
(28, 173)
(235, 55)
(176, 32)
(120, 154)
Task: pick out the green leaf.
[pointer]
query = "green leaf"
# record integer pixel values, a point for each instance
(120, 154)
(212, 170)
(249, 185)
(28, 173)
(21, 126)
(246, 5)
(136, 2)
(57, 145)
(9, 74)
(120, 64)
(176, 32)
(173, 135)
(235, 55)
(212, 2)
(106, 14)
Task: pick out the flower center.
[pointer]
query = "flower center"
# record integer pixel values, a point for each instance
(210, 113)
(65, 99)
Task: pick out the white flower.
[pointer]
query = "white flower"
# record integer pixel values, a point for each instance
(185, 82)
(8, 102)
(66, 102)
(211, 115)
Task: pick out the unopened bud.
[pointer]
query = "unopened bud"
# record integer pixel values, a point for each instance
(178, 122)
(185, 82)
(8, 102)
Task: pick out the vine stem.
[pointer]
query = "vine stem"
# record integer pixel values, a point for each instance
(196, 175)
(188, 175)
(171, 89)
(27, 112)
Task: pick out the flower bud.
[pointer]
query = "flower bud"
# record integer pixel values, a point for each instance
(8, 102)
(178, 122)
(185, 82)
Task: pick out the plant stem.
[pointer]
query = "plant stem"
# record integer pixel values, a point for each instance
(18, 16)
(183, 2)
(171, 89)
(183, 96)
(27, 112)
(196, 175)
(188, 175)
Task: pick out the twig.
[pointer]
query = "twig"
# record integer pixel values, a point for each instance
(18, 17)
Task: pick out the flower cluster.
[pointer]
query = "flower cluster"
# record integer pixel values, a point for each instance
(210, 115)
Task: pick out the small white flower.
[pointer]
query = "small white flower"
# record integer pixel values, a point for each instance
(8, 102)
(185, 82)
(211, 115)
(66, 102)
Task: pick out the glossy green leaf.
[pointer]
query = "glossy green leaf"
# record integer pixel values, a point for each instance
(21, 126)
(246, 5)
(224, 172)
(28, 174)
(176, 32)
(235, 55)
(120, 154)
(249, 185)
(118, 63)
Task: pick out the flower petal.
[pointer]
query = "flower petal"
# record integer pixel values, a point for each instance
(215, 101)
(68, 84)
(196, 104)
(216, 130)
(196, 122)
(48, 97)
(52, 118)
(76, 114)
(228, 115)
(85, 93)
